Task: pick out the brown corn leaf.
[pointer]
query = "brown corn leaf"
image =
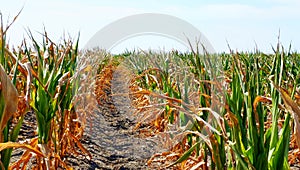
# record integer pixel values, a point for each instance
(7, 145)
(259, 99)
(293, 108)
(26, 156)
(81, 147)
(10, 95)
(297, 97)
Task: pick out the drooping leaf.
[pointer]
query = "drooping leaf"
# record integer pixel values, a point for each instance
(7, 145)
(185, 156)
(293, 108)
(10, 96)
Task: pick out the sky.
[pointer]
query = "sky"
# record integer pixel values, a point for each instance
(243, 25)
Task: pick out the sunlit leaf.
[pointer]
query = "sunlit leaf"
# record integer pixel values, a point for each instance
(293, 108)
(7, 145)
(185, 155)
(10, 96)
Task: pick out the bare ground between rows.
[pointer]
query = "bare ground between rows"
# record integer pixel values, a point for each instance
(109, 136)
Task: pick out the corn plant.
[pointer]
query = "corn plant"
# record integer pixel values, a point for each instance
(52, 98)
(13, 99)
(251, 130)
(157, 73)
(172, 91)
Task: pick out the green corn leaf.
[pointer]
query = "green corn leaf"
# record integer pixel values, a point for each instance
(293, 108)
(186, 155)
(16, 129)
(278, 157)
(239, 156)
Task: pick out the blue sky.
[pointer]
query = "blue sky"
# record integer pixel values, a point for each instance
(243, 24)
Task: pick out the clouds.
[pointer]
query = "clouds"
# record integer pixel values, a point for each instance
(245, 25)
(240, 22)
(286, 2)
(238, 11)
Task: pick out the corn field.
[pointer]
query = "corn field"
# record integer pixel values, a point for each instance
(237, 110)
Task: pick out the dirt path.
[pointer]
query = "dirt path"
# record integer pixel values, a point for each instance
(112, 141)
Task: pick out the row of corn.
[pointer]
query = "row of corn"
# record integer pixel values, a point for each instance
(225, 111)
(40, 78)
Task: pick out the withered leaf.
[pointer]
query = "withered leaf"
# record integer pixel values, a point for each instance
(10, 96)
